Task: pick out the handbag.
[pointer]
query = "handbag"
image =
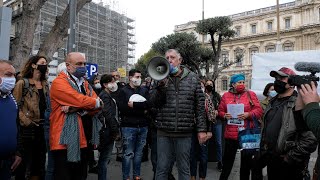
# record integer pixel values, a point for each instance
(249, 138)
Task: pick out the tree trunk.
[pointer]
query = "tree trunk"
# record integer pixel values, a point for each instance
(207, 68)
(195, 65)
(24, 42)
(56, 37)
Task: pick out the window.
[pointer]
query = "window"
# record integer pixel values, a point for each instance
(287, 23)
(238, 56)
(225, 58)
(269, 24)
(224, 85)
(253, 28)
(288, 46)
(238, 31)
(270, 48)
(253, 50)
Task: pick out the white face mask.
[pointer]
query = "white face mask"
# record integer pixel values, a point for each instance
(7, 84)
(112, 87)
(136, 82)
(97, 86)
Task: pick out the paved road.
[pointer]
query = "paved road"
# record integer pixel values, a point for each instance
(114, 171)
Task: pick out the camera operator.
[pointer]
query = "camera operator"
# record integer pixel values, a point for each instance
(308, 100)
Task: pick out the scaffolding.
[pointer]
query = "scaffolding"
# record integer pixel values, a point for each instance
(106, 37)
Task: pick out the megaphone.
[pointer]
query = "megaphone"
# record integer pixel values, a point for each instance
(158, 68)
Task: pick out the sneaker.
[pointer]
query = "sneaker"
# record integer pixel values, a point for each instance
(219, 166)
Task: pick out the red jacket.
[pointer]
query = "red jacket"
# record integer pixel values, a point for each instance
(231, 131)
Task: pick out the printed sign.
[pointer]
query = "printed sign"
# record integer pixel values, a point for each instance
(91, 69)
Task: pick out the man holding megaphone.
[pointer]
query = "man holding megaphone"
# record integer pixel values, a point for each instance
(180, 103)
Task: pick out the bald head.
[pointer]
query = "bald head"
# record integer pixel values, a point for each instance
(74, 60)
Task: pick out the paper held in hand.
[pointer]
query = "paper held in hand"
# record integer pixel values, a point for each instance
(235, 110)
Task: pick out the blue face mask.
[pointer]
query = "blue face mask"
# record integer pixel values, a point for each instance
(7, 84)
(174, 70)
(272, 93)
(80, 72)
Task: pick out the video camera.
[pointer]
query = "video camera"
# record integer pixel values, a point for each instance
(312, 67)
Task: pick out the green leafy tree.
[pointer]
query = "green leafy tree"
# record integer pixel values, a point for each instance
(188, 46)
(219, 29)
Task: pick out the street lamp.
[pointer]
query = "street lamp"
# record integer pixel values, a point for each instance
(202, 20)
(278, 44)
(72, 26)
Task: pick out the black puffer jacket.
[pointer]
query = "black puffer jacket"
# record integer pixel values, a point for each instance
(180, 105)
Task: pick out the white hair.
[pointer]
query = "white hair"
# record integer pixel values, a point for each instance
(62, 68)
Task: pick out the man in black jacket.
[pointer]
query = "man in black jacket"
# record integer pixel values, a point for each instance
(180, 103)
(134, 124)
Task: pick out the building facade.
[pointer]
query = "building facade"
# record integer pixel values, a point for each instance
(256, 32)
(105, 36)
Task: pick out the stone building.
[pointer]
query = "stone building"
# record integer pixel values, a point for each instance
(256, 32)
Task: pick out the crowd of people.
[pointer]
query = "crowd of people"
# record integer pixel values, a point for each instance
(51, 131)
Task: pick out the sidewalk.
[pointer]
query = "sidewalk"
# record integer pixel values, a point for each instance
(114, 171)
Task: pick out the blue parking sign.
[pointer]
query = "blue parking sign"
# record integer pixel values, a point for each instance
(91, 69)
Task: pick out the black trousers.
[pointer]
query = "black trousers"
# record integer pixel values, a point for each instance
(278, 169)
(64, 170)
(248, 163)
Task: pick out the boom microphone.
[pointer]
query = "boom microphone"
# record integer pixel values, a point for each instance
(311, 67)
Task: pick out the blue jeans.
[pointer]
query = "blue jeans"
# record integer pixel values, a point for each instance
(169, 148)
(5, 169)
(217, 133)
(198, 152)
(104, 159)
(134, 140)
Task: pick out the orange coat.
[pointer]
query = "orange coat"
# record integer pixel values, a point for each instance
(63, 94)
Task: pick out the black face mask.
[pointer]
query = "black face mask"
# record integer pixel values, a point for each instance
(42, 68)
(280, 86)
(209, 88)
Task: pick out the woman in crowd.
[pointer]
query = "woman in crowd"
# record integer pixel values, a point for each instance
(269, 93)
(110, 127)
(200, 151)
(238, 94)
(217, 126)
(32, 95)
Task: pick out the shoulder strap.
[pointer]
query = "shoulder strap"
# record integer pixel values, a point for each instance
(250, 99)
(25, 90)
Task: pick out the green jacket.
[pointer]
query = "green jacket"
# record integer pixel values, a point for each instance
(311, 114)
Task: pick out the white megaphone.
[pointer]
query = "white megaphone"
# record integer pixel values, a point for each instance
(158, 68)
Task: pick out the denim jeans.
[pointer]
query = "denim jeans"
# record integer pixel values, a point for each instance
(198, 152)
(169, 148)
(217, 133)
(5, 169)
(104, 159)
(134, 140)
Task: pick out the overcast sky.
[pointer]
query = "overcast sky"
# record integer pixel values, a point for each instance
(157, 18)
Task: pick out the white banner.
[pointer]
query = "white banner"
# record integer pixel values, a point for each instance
(263, 63)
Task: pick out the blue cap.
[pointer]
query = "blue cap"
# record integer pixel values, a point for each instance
(237, 77)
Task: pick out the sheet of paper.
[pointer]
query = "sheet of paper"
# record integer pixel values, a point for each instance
(235, 110)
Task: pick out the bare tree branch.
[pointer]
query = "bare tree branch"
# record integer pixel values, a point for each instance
(56, 37)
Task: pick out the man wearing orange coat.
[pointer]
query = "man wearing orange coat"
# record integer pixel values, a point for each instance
(71, 98)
